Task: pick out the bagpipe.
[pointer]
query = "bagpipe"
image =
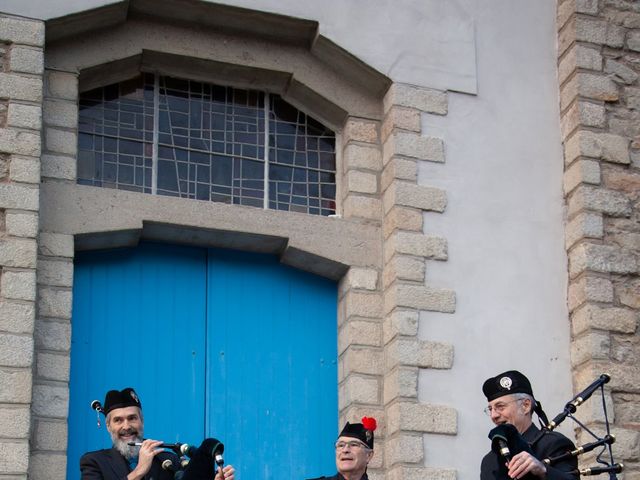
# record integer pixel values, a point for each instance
(186, 462)
(506, 441)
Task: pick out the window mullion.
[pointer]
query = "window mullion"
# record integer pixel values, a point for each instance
(156, 126)
(266, 150)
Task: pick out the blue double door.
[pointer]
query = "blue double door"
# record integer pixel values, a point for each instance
(217, 343)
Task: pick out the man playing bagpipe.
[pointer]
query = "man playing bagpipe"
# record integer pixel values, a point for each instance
(134, 458)
(518, 446)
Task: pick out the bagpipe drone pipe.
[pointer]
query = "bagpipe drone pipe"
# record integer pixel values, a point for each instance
(507, 442)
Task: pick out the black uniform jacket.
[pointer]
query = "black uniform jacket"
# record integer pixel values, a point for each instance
(337, 476)
(109, 464)
(551, 444)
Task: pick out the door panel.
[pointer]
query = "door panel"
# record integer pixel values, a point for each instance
(218, 344)
(138, 320)
(272, 331)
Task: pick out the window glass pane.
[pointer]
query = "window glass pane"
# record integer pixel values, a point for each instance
(210, 144)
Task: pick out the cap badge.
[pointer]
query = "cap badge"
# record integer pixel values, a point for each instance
(368, 434)
(506, 382)
(134, 396)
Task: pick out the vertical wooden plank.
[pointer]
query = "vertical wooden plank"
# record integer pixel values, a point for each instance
(138, 320)
(272, 371)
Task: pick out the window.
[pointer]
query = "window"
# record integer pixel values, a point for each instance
(169, 136)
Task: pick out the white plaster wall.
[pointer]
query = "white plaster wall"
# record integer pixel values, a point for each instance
(504, 226)
(503, 176)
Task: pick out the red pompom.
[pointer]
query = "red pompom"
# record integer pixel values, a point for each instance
(369, 423)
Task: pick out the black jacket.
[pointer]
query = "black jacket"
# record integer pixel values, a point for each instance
(550, 444)
(109, 464)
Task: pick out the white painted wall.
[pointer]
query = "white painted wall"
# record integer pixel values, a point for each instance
(503, 176)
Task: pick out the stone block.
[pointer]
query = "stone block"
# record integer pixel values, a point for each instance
(360, 389)
(359, 332)
(589, 7)
(405, 472)
(628, 293)
(21, 197)
(565, 12)
(579, 56)
(413, 145)
(24, 116)
(401, 118)
(401, 382)
(361, 131)
(619, 320)
(597, 87)
(400, 322)
(367, 361)
(416, 196)
(25, 170)
(17, 317)
(51, 335)
(367, 305)
(16, 350)
(591, 30)
(601, 258)
(399, 218)
(582, 114)
(362, 207)
(54, 302)
(18, 87)
(56, 245)
(50, 466)
(627, 446)
(621, 72)
(420, 417)
(600, 200)
(589, 289)
(22, 224)
(399, 169)
(633, 40)
(420, 297)
(362, 182)
(63, 85)
(57, 166)
(403, 267)
(362, 157)
(55, 273)
(26, 60)
(21, 30)
(583, 225)
(581, 171)
(402, 449)
(15, 386)
(14, 456)
(604, 146)
(594, 345)
(50, 435)
(424, 99)
(61, 141)
(627, 408)
(19, 142)
(413, 243)
(50, 401)
(52, 366)
(18, 252)
(60, 113)
(15, 421)
(416, 353)
(18, 285)
(362, 278)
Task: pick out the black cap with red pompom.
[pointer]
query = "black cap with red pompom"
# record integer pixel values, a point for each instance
(362, 431)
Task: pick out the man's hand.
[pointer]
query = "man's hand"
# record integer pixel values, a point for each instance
(148, 450)
(524, 463)
(227, 473)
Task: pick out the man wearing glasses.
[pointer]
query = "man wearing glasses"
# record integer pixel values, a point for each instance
(354, 449)
(511, 403)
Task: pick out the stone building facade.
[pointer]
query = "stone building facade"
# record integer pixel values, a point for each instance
(385, 249)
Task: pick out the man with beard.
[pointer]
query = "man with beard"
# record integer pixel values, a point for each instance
(354, 450)
(125, 424)
(511, 407)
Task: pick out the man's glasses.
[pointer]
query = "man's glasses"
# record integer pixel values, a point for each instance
(499, 407)
(352, 445)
